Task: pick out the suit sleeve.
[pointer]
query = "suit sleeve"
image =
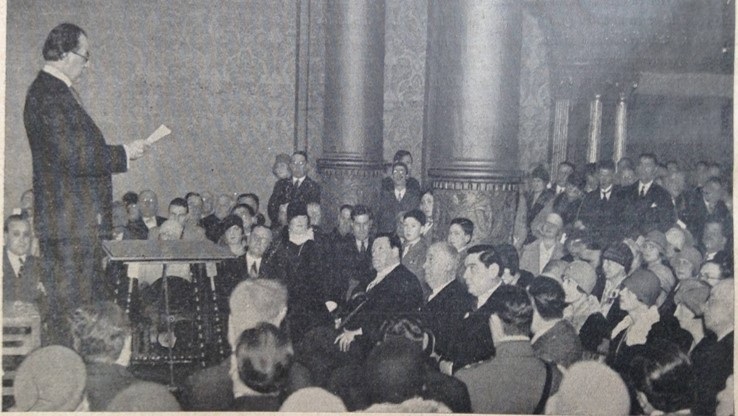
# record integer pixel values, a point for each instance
(74, 150)
(274, 202)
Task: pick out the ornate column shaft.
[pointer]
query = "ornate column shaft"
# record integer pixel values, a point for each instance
(471, 119)
(595, 130)
(560, 131)
(351, 166)
(621, 130)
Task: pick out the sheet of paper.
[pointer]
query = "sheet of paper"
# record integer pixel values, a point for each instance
(158, 134)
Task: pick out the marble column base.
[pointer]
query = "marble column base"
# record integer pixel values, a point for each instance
(347, 182)
(489, 205)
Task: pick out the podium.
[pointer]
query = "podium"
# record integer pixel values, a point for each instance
(169, 253)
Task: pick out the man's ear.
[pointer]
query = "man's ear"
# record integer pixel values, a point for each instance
(494, 269)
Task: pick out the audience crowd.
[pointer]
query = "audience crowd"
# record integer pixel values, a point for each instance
(615, 295)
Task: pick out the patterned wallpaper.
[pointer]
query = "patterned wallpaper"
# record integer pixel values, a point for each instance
(223, 78)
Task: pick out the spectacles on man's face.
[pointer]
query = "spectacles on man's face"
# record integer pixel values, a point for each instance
(86, 56)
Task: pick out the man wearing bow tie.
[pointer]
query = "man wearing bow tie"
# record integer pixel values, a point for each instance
(300, 187)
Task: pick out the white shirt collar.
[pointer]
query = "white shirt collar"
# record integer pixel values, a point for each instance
(646, 186)
(485, 296)
(150, 222)
(438, 290)
(250, 259)
(56, 73)
(15, 260)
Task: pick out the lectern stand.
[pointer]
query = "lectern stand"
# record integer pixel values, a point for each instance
(167, 253)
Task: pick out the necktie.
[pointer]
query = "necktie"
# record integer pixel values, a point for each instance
(362, 249)
(253, 271)
(643, 191)
(75, 94)
(605, 196)
(22, 265)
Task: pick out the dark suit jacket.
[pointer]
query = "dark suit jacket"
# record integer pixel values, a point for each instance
(284, 192)
(389, 207)
(444, 314)
(137, 230)
(72, 164)
(696, 215)
(397, 294)
(24, 289)
(414, 261)
(350, 267)
(642, 214)
(600, 217)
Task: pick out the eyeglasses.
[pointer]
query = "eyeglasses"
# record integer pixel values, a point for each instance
(85, 57)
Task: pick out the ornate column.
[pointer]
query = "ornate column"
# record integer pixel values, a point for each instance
(471, 116)
(595, 130)
(351, 166)
(621, 129)
(560, 131)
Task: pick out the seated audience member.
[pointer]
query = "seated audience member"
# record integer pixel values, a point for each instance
(536, 198)
(663, 379)
(343, 229)
(627, 177)
(716, 244)
(297, 262)
(400, 199)
(246, 213)
(313, 399)
(555, 269)
(545, 248)
(231, 271)
(578, 282)
(554, 339)
(675, 184)
(233, 236)
(598, 211)
(264, 357)
(299, 188)
(402, 156)
(512, 275)
(645, 205)
(102, 336)
(691, 299)
(707, 205)
(51, 379)
(144, 396)
(515, 380)
(120, 221)
(638, 299)
(394, 373)
(563, 171)
(712, 272)
(716, 363)
(252, 302)
(178, 212)
(149, 206)
(208, 203)
(195, 207)
(353, 258)
(590, 388)
(415, 247)
(460, 233)
(213, 223)
(430, 231)
(617, 262)
(653, 253)
(136, 227)
(566, 203)
(483, 277)
(686, 263)
(449, 301)
(253, 201)
(259, 242)
(21, 271)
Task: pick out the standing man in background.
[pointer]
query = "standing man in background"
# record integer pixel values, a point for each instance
(72, 167)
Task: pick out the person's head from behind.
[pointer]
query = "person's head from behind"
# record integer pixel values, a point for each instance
(17, 235)
(460, 232)
(408, 328)
(513, 313)
(178, 210)
(663, 378)
(253, 301)
(259, 240)
(440, 265)
(101, 333)
(67, 49)
(264, 357)
(386, 250)
(483, 269)
(144, 396)
(361, 222)
(170, 230)
(590, 388)
(548, 300)
(51, 378)
(393, 371)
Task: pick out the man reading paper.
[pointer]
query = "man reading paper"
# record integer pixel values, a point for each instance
(72, 167)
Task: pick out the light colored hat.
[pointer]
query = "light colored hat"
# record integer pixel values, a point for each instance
(144, 396)
(582, 273)
(675, 237)
(52, 378)
(312, 399)
(693, 294)
(691, 255)
(645, 285)
(590, 388)
(658, 238)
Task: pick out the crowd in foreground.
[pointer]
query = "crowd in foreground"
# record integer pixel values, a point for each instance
(615, 295)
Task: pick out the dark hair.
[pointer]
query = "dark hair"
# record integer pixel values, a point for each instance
(648, 155)
(244, 206)
(426, 191)
(714, 179)
(13, 218)
(606, 164)
(394, 241)
(548, 297)
(62, 39)
(396, 164)
(569, 164)
(465, 223)
(417, 214)
(192, 193)
(130, 198)
(360, 210)
(509, 257)
(264, 357)
(348, 207)
(514, 309)
(249, 195)
(407, 327)
(99, 331)
(665, 375)
(577, 179)
(301, 153)
(393, 371)
(400, 154)
(590, 169)
(488, 256)
(179, 202)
